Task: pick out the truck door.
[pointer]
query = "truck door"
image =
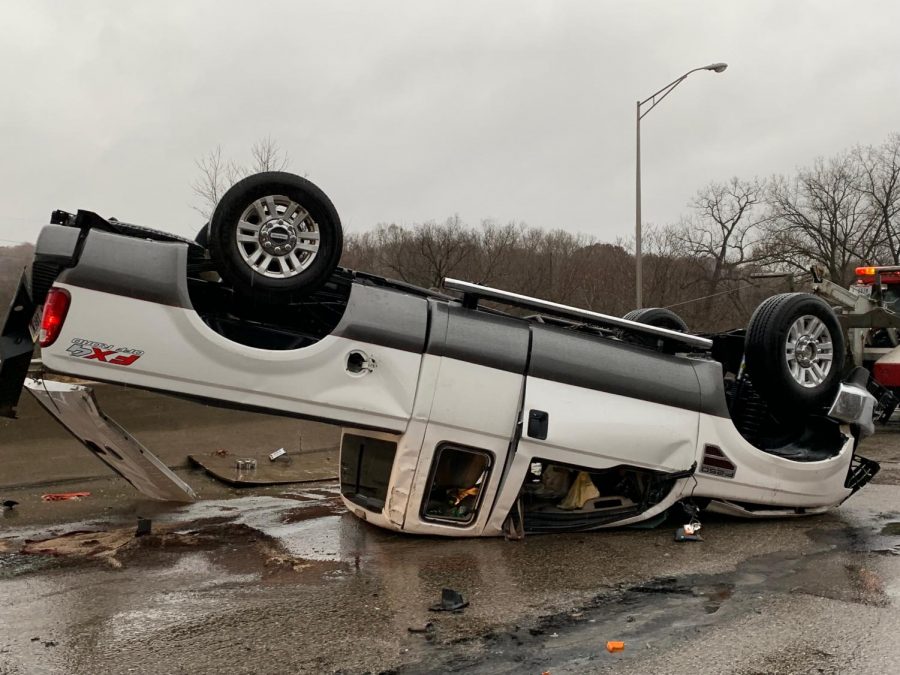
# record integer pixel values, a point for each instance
(473, 415)
(599, 403)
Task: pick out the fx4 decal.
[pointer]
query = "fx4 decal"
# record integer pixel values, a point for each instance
(100, 351)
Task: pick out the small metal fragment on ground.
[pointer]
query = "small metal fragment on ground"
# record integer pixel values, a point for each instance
(451, 601)
(245, 465)
(615, 646)
(682, 535)
(427, 628)
(64, 496)
(278, 453)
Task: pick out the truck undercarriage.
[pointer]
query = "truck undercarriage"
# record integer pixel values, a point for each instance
(475, 412)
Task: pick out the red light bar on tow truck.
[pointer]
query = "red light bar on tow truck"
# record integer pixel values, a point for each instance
(868, 273)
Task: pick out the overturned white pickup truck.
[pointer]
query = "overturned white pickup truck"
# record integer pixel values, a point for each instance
(460, 419)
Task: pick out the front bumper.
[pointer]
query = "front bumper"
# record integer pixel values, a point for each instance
(854, 405)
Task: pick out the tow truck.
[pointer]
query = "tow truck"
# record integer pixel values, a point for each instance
(869, 313)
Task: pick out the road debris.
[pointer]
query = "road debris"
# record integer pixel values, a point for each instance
(82, 543)
(278, 453)
(615, 646)
(317, 465)
(689, 531)
(451, 601)
(582, 491)
(427, 628)
(144, 526)
(64, 496)
(245, 465)
(9, 504)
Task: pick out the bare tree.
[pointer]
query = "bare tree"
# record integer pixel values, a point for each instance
(494, 256)
(555, 265)
(879, 181)
(721, 231)
(822, 217)
(266, 155)
(442, 248)
(217, 173)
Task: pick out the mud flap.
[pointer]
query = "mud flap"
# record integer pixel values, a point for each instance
(76, 409)
(16, 349)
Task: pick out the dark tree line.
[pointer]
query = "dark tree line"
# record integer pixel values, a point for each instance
(837, 213)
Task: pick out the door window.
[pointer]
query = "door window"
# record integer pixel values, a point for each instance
(459, 477)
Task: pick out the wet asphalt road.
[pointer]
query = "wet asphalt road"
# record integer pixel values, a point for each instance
(282, 580)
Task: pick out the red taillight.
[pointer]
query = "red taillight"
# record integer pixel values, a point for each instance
(55, 308)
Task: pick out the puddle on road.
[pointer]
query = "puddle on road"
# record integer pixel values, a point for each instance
(874, 537)
(15, 564)
(651, 612)
(891, 529)
(313, 527)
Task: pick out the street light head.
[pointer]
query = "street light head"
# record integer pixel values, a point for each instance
(716, 67)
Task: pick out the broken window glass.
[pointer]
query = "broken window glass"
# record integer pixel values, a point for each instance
(458, 478)
(366, 465)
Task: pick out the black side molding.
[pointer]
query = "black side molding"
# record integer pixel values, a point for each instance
(16, 349)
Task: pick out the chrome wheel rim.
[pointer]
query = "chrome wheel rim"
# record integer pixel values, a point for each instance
(809, 351)
(277, 237)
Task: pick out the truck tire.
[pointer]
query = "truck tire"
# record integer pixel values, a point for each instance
(659, 317)
(794, 353)
(275, 236)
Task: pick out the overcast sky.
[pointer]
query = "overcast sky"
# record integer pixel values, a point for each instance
(412, 111)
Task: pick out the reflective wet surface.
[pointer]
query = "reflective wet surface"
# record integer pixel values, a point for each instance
(283, 580)
(291, 583)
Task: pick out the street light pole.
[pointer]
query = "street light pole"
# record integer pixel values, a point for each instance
(654, 100)
(638, 262)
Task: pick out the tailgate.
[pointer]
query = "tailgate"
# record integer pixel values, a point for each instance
(76, 409)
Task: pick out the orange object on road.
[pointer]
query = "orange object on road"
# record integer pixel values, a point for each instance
(614, 646)
(63, 496)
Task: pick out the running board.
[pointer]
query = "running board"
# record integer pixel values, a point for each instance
(75, 407)
(473, 292)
